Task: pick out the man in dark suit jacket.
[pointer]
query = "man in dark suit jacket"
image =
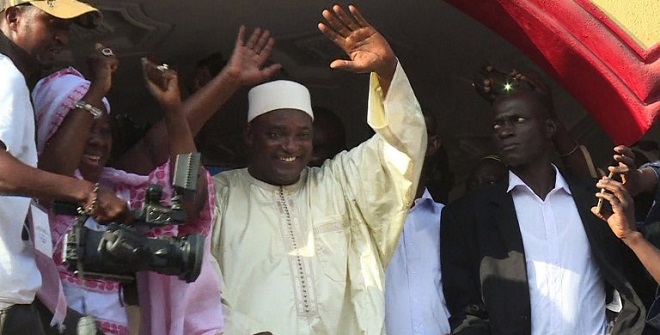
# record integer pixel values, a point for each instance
(526, 256)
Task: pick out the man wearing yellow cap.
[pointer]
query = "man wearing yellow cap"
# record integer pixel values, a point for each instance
(33, 32)
(302, 250)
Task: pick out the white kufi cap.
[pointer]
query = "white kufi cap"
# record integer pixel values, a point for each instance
(280, 94)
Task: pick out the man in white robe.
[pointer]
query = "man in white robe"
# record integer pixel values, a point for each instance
(302, 250)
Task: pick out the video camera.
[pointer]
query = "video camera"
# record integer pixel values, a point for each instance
(122, 250)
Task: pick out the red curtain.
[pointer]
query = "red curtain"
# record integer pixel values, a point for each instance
(616, 80)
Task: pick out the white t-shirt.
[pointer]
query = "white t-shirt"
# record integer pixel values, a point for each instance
(19, 277)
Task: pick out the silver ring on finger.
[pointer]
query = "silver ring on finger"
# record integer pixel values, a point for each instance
(107, 52)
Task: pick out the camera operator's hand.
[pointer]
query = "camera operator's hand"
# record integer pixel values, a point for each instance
(106, 207)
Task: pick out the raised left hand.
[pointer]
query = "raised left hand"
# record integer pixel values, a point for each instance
(367, 49)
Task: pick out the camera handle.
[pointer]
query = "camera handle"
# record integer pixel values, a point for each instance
(186, 173)
(184, 182)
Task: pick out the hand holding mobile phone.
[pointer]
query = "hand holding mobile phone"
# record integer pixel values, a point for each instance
(599, 206)
(157, 74)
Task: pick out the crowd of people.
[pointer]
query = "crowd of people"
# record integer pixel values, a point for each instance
(309, 237)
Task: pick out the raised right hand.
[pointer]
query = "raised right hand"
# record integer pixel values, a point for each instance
(246, 64)
(367, 49)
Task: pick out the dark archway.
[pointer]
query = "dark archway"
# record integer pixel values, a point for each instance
(589, 52)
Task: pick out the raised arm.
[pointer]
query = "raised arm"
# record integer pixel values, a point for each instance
(63, 134)
(379, 176)
(367, 48)
(163, 84)
(245, 67)
(622, 223)
(67, 144)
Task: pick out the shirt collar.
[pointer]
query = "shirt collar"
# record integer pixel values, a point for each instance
(560, 182)
(425, 199)
(26, 64)
(287, 188)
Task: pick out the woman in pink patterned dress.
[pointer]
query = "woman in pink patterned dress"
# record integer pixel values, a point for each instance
(167, 304)
(68, 132)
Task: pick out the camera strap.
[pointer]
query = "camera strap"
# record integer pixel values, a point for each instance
(86, 324)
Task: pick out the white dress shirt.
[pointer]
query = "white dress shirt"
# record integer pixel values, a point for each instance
(567, 294)
(414, 301)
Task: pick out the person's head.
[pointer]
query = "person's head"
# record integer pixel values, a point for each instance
(436, 176)
(489, 170)
(430, 168)
(54, 97)
(432, 138)
(97, 150)
(41, 27)
(329, 136)
(522, 129)
(205, 70)
(279, 131)
(523, 115)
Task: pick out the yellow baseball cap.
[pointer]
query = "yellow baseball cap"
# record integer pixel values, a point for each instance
(85, 15)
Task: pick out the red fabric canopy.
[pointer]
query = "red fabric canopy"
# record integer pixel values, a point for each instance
(616, 80)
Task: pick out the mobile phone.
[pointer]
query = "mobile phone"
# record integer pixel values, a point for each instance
(155, 73)
(599, 206)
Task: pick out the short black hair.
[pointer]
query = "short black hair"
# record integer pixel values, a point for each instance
(215, 62)
(545, 101)
(333, 120)
(493, 84)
